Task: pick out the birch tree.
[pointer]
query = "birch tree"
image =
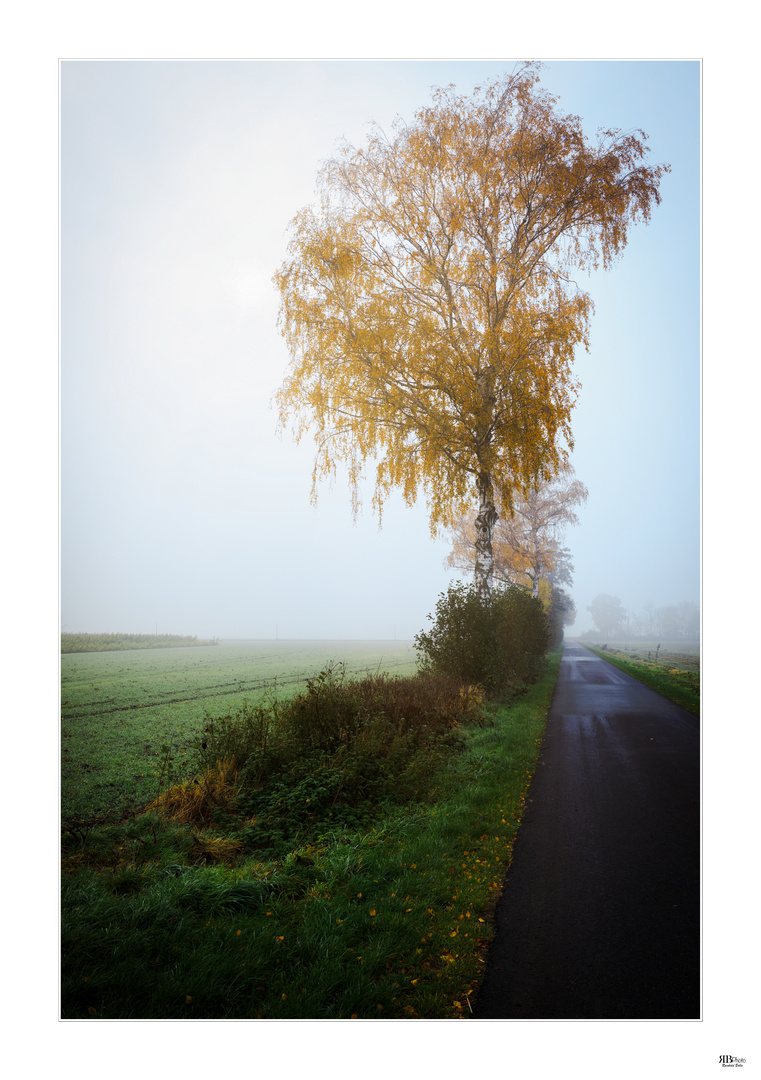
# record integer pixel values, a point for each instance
(527, 538)
(428, 298)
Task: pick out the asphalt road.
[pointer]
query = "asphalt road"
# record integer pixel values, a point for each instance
(600, 914)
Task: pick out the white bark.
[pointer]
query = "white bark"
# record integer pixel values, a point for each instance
(485, 522)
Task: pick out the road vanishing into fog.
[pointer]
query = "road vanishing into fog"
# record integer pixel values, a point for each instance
(600, 914)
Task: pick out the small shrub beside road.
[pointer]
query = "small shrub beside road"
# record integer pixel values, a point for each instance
(498, 643)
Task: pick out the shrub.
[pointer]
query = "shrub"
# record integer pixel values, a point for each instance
(499, 643)
(334, 714)
(332, 753)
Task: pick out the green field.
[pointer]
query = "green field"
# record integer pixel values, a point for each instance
(119, 709)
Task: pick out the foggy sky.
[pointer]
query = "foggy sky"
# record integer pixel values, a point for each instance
(182, 510)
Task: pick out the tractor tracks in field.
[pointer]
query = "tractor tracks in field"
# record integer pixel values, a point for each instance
(109, 706)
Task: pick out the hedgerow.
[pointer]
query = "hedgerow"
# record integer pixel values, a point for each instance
(499, 643)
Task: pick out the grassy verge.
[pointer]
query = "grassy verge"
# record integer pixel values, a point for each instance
(674, 683)
(388, 919)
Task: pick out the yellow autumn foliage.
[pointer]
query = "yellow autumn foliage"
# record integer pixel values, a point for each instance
(429, 299)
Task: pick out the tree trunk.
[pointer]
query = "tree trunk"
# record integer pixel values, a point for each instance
(485, 522)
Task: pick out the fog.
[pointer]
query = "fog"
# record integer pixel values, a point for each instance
(182, 509)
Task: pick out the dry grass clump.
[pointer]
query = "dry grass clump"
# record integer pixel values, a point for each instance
(211, 849)
(193, 802)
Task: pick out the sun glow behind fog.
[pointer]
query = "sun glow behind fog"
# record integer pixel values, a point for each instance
(180, 503)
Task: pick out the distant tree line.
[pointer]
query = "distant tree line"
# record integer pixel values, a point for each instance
(73, 643)
(678, 622)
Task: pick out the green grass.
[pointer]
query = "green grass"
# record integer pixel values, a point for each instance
(119, 709)
(674, 674)
(387, 920)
